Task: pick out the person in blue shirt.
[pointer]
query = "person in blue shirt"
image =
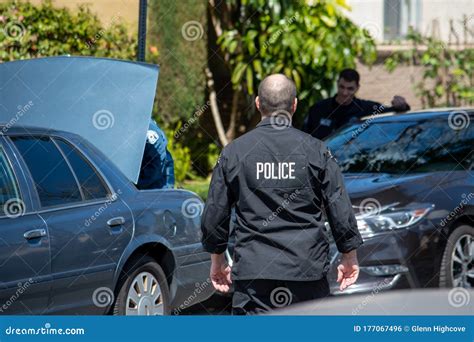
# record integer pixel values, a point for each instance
(157, 169)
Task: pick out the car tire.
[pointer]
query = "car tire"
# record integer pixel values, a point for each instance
(446, 268)
(139, 286)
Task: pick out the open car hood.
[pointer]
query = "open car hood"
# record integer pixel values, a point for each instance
(106, 101)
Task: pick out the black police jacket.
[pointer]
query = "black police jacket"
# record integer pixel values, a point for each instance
(280, 180)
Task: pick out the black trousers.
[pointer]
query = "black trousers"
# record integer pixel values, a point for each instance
(262, 295)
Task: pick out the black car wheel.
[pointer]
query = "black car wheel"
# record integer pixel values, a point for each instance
(457, 265)
(144, 290)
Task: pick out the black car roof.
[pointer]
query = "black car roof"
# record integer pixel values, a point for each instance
(417, 115)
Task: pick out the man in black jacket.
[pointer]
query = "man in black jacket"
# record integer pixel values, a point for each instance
(280, 181)
(328, 115)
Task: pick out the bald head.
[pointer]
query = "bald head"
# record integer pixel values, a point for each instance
(276, 93)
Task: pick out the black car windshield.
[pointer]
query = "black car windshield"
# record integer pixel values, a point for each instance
(403, 147)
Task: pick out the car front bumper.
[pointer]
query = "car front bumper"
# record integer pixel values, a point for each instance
(405, 258)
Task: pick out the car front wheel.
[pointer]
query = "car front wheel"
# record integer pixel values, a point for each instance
(144, 290)
(457, 266)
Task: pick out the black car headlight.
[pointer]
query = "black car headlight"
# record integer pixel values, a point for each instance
(391, 219)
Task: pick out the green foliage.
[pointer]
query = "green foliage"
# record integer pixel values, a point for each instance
(31, 31)
(199, 186)
(447, 72)
(310, 42)
(181, 156)
(212, 155)
(177, 30)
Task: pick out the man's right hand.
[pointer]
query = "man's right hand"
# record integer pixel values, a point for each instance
(400, 104)
(348, 270)
(220, 273)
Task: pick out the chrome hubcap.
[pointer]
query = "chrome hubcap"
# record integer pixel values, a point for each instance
(144, 296)
(462, 261)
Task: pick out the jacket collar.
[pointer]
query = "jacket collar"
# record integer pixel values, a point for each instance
(276, 120)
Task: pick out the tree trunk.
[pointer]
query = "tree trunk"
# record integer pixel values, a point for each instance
(215, 108)
(230, 133)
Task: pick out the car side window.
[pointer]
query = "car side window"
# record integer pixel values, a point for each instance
(91, 183)
(51, 174)
(10, 200)
(406, 146)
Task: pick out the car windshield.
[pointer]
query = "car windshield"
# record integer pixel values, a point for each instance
(403, 147)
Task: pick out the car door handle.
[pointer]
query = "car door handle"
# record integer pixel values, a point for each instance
(34, 234)
(116, 221)
(173, 228)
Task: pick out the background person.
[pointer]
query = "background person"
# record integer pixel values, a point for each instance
(328, 115)
(157, 168)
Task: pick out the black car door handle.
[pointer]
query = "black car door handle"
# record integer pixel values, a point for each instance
(34, 234)
(116, 221)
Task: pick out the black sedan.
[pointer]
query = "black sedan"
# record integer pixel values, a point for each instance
(411, 181)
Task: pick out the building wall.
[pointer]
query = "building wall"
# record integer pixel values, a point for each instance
(369, 15)
(430, 17)
(379, 85)
(461, 12)
(107, 10)
(427, 16)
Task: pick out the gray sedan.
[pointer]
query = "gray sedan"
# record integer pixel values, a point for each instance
(77, 237)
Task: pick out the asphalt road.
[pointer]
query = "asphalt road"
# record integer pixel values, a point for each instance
(216, 305)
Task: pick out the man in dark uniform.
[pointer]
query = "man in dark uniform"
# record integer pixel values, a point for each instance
(280, 180)
(328, 115)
